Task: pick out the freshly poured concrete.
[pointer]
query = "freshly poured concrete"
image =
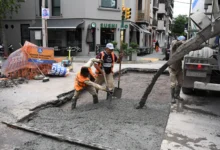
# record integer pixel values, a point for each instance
(118, 125)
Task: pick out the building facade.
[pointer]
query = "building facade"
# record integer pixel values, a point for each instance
(164, 17)
(86, 24)
(83, 24)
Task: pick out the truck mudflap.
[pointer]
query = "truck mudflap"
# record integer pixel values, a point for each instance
(206, 86)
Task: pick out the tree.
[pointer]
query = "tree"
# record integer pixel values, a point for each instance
(179, 25)
(192, 44)
(7, 8)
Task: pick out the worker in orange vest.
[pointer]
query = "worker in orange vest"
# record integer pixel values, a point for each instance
(109, 58)
(84, 80)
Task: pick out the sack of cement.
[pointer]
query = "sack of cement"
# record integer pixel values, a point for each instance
(58, 70)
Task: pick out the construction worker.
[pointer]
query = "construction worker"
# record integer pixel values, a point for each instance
(84, 80)
(109, 59)
(175, 70)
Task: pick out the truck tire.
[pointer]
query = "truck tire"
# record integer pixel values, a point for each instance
(187, 90)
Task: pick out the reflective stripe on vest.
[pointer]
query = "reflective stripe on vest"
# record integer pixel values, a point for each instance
(106, 64)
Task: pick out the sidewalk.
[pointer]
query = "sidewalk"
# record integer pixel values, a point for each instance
(140, 59)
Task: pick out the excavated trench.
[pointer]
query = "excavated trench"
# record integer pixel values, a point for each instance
(116, 125)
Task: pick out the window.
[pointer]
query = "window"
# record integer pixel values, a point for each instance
(109, 3)
(139, 4)
(40, 4)
(25, 33)
(55, 7)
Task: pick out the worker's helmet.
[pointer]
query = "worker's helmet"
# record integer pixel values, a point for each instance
(84, 71)
(181, 38)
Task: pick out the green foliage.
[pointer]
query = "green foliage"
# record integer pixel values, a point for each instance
(127, 50)
(115, 46)
(7, 8)
(132, 49)
(134, 45)
(179, 25)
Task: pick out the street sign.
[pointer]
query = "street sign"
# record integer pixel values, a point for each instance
(93, 24)
(45, 13)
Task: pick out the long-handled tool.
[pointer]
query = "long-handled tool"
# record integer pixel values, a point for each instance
(117, 90)
(109, 94)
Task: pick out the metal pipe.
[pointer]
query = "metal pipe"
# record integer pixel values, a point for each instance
(44, 32)
(190, 8)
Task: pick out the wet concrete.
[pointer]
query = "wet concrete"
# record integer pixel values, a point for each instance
(118, 126)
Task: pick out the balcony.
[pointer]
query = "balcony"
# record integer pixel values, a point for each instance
(162, 9)
(142, 17)
(154, 24)
(156, 5)
(161, 25)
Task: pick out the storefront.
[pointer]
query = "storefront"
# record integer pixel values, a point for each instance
(61, 34)
(99, 33)
(88, 36)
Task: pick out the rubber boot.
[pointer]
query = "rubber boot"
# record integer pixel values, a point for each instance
(173, 100)
(109, 95)
(95, 99)
(177, 93)
(74, 100)
(180, 100)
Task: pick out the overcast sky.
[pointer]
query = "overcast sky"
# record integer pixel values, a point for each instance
(181, 8)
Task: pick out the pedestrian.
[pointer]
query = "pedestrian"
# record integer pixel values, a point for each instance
(109, 59)
(157, 46)
(175, 70)
(85, 80)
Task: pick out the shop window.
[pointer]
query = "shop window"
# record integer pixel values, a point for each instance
(74, 38)
(55, 7)
(40, 4)
(139, 4)
(109, 3)
(107, 36)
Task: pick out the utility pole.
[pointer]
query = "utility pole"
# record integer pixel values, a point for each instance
(121, 39)
(190, 8)
(44, 29)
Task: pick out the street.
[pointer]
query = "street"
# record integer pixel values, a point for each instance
(158, 126)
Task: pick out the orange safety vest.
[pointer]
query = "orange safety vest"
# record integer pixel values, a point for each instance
(91, 73)
(102, 56)
(79, 82)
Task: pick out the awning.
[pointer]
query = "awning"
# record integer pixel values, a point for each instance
(140, 29)
(58, 24)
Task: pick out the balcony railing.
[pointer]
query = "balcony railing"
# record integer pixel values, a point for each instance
(161, 9)
(161, 25)
(142, 16)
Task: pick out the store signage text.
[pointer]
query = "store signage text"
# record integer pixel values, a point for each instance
(105, 25)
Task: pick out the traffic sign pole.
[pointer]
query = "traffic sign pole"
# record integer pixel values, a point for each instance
(44, 28)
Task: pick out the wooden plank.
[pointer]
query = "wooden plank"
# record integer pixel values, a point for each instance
(59, 137)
